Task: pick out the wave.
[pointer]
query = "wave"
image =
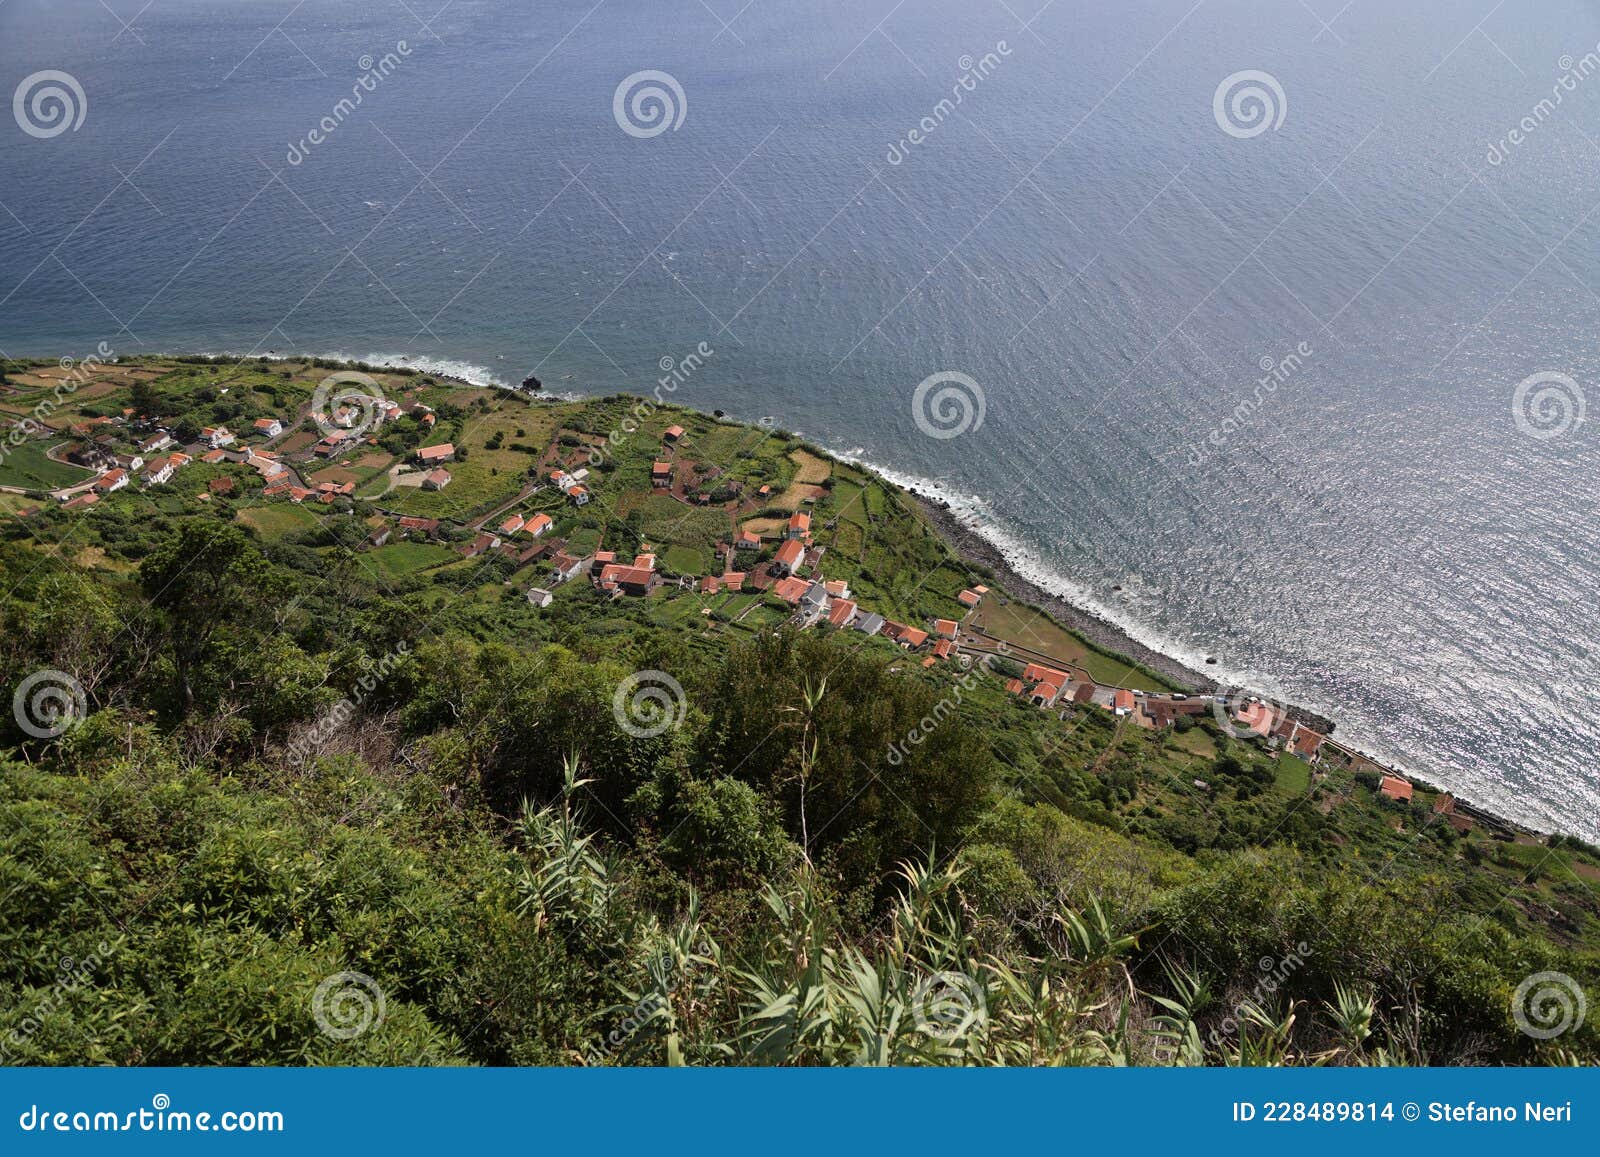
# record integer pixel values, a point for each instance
(976, 513)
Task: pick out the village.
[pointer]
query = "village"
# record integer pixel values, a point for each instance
(566, 524)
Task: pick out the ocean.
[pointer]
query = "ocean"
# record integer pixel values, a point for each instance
(1266, 328)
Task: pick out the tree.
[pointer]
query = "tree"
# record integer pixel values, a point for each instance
(206, 576)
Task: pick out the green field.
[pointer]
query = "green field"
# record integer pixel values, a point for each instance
(280, 519)
(398, 559)
(27, 466)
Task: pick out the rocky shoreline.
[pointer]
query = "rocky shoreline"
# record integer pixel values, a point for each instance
(971, 545)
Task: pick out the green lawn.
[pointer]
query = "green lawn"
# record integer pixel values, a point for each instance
(1294, 774)
(684, 560)
(26, 465)
(277, 521)
(399, 559)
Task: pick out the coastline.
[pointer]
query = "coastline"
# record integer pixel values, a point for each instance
(965, 539)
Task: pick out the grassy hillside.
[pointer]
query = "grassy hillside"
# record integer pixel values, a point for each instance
(326, 796)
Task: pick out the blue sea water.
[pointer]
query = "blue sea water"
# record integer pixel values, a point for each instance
(1371, 532)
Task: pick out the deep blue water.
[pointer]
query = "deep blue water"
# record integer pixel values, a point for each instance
(1378, 538)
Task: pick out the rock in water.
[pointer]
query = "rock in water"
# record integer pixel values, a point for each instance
(532, 383)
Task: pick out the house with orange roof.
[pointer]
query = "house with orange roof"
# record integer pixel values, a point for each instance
(837, 588)
(1045, 693)
(1122, 701)
(563, 567)
(661, 474)
(433, 455)
(799, 526)
(943, 648)
(513, 524)
(908, 637)
(110, 481)
(1039, 673)
(211, 456)
(791, 590)
(945, 628)
(1395, 788)
(747, 540)
(538, 524)
(710, 585)
(216, 436)
(87, 498)
(789, 557)
(267, 427)
(969, 599)
(436, 479)
(842, 613)
(1255, 716)
(672, 434)
(578, 495)
(635, 580)
(733, 580)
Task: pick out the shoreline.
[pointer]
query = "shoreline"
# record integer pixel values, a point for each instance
(966, 541)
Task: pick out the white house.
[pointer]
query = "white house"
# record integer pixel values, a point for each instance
(539, 597)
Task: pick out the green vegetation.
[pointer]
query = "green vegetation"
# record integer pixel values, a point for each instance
(616, 831)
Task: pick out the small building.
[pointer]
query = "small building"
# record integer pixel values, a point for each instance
(672, 434)
(789, 557)
(791, 590)
(216, 436)
(969, 598)
(483, 542)
(733, 580)
(945, 628)
(747, 540)
(633, 580)
(159, 471)
(842, 613)
(564, 568)
(379, 537)
(267, 427)
(1122, 702)
(538, 525)
(513, 524)
(870, 623)
(540, 597)
(110, 481)
(661, 474)
(436, 479)
(433, 455)
(578, 495)
(411, 526)
(1395, 788)
(710, 585)
(799, 526)
(221, 487)
(155, 443)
